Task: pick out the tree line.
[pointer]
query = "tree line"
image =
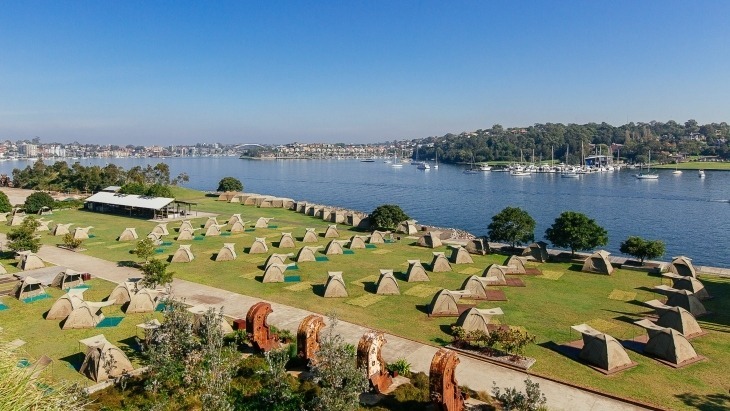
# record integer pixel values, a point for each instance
(552, 139)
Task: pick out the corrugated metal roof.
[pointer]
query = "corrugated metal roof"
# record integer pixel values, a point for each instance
(130, 200)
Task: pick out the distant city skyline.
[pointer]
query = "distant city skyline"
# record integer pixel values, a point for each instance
(171, 73)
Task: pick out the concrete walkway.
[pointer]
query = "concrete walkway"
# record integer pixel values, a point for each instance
(478, 375)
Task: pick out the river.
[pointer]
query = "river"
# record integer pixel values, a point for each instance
(691, 215)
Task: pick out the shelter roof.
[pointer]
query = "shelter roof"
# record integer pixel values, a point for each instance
(130, 200)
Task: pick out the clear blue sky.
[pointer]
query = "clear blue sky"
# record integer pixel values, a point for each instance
(352, 71)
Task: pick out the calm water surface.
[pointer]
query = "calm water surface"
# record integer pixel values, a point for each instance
(690, 214)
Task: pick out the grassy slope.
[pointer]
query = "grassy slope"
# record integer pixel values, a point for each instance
(696, 165)
(545, 307)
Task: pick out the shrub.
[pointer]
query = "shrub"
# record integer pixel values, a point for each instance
(23, 237)
(5, 206)
(514, 340)
(36, 201)
(68, 203)
(512, 399)
(158, 190)
(230, 184)
(71, 242)
(401, 366)
(137, 188)
(642, 249)
(388, 216)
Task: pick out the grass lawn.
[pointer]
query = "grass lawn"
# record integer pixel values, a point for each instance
(697, 165)
(547, 307)
(45, 337)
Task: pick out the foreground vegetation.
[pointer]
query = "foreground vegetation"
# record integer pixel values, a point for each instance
(547, 307)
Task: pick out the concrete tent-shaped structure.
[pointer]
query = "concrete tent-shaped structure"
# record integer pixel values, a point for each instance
(238, 227)
(459, 255)
(227, 195)
(377, 237)
(277, 259)
(185, 225)
(100, 353)
(82, 233)
(259, 246)
(263, 222)
(668, 344)
(214, 230)
(476, 319)
(334, 247)
(123, 292)
(515, 265)
(274, 273)
(335, 287)
(61, 229)
(183, 254)
(30, 261)
(387, 284)
(683, 266)
(16, 220)
(86, 315)
(331, 231)
(67, 278)
(407, 227)
(598, 263)
(227, 252)
(688, 283)
(416, 272)
(43, 225)
(682, 298)
(286, 241)
(209, 222)
(28, 287)
(356, 242)
(439, 263)
(161, 229)
(495, 274)
(66, 304)
(444, 303)
(129, 234)
(537, 251)
(235, 218)
(476, 287)
(186, 234)
(199, 312)
(310, 236)
(4, 217)
(155, 238)
(307, 254)
(602, 350)
(143, 301)
(677, 318)
(432, 239)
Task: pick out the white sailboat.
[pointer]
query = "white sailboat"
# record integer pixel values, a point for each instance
(569, 172)
(436, 166)
(648, 175)
(471, 169)
(520, 171)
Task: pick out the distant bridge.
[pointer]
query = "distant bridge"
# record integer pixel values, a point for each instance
(248, 144)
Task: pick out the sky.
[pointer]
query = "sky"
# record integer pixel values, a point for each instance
(178, 72)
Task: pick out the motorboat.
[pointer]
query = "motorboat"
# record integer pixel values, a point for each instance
(701, 173)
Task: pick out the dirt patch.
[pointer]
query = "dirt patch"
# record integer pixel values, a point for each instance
(207, 299)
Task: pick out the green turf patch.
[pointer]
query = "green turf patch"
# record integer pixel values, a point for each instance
(160, 307)
(470, 270)
(365, 300)
(622, 295)
(23, 363)
(292, 267)
(36, 298)
(198, 238)
(109, 322)
(369, 279)
(111, 247)
(292, 279)
(348, 252)
(3, 307)
(551, 275)
(226, 234)
(92, 235)
(371, 246)
(273, 226)
(81, 287)
(166, 243)
(159, 250)
(389, 241)
(422, 291)
(303, 286)
(321, 259)
(248, 230)
(381, 251)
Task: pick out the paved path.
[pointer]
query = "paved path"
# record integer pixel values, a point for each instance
(478, 375)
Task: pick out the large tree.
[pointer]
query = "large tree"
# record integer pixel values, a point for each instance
(642, 249)
(577, 232)
(230, 184)
(155, 273)
(387, 216)
(23, 237)
(513, 225)
(36, 201)
(5, 206)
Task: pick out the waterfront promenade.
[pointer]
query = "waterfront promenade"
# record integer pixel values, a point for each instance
(478, 375)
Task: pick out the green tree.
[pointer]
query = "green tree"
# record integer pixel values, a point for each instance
(71, 242)
(158, 190)
(336, 372)
(36, 201)
(155, 273)
(145, 249)
(23, 238)
(5, 206)
(230, 184)
(134, 187)
(387, 216)
(513, 225)
(642, 249)
(577, 232)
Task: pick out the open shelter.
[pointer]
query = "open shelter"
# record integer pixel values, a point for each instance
(335, 286)
(28, 287)
(334, 247)
(683, 266)
(310, 236)
(416, 272)
(307, 254)
(677, 318)
(331, 231)
(259, 246)
(103, 360)
(432, 239)
(286, 241)
(67, 278)
(30, 261)
(129, 234)
(183, 254)
(387, 284)
(598, 263)
(439, 263)
(459, 255)
(537, 251)
(668, 344)
(274, 273)
(478, 319)
(688, 283)
(227, 252)
(602, 350)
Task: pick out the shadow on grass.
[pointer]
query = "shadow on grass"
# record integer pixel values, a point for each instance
(446, 328)
(578, 268)
(370, 286)
(213, 257)
(424, 308)
(127, 264)
(132, 348)
(318, 289)
(246, 250)
(400, 275)
(709, 402)
(74, 360)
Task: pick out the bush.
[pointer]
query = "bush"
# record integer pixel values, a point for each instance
(387, 216)
(401, 366)
(5, 206)
(23, 237)
(512, 399)
(158, 190)
(71, 242)
(36, 201)
(68, 203)
(136, 188)
(230, 184)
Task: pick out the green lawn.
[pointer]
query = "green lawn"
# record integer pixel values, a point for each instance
(547, 307)
(697, 165)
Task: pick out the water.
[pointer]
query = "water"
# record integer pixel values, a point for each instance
(691, 215)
